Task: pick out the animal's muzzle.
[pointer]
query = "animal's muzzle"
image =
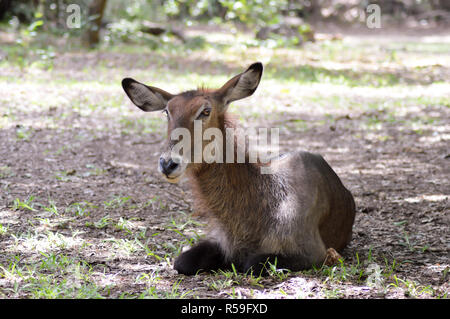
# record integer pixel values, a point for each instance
(167, 167)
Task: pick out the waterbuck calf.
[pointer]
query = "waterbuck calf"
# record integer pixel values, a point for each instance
(288, 217)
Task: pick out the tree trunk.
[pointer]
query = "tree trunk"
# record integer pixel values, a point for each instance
(96, 8)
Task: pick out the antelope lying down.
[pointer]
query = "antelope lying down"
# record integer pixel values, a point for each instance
(289, 217)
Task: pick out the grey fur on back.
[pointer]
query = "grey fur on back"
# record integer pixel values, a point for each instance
(284, 213)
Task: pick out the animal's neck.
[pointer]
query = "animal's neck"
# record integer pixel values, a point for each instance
(228, 188)
(224, 188)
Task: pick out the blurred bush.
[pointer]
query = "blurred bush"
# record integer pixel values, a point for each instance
(269, 19)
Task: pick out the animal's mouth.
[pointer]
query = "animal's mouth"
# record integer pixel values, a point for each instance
(172, 179)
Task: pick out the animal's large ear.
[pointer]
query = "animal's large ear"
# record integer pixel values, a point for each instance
(147, 98)
(242, 85)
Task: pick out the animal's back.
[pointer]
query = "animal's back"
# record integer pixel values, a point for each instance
(323, 201)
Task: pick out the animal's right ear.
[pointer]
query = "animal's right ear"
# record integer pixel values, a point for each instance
(147, 98)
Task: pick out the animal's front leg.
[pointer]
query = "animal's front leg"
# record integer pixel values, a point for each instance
(205, 256)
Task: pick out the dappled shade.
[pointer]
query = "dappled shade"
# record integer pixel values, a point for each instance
(85, 214)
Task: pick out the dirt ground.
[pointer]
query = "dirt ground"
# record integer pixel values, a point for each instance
(84, 213)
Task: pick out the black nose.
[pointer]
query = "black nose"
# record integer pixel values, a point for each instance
(167, 167)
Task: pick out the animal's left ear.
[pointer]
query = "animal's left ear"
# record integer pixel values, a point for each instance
(241, 86)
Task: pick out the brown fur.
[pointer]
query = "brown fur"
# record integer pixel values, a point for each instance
(290, 216)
